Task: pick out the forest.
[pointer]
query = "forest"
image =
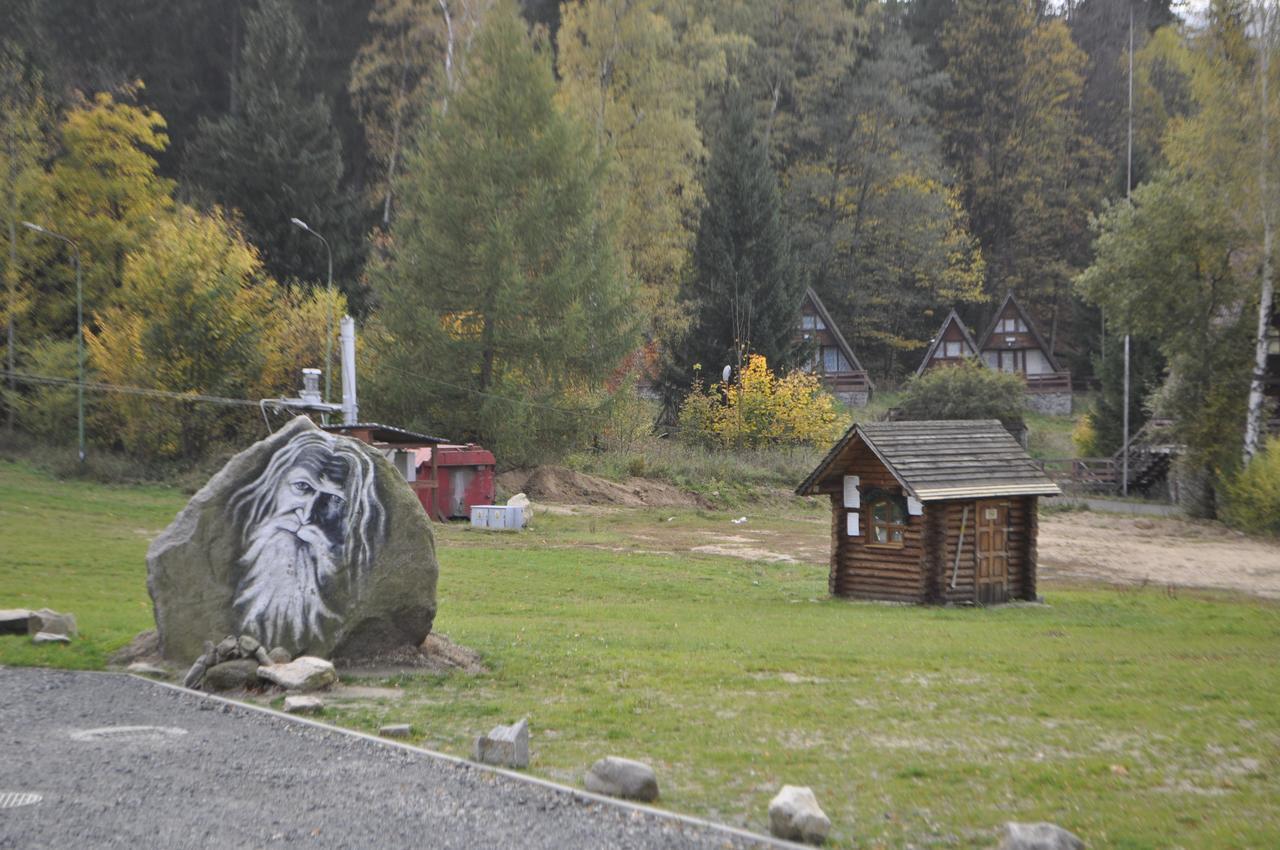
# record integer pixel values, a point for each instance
(530, 207)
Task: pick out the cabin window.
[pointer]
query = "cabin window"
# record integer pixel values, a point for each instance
(1011, 326)
(833, 360)
(953, 349)
(810, 322)
(888, 522)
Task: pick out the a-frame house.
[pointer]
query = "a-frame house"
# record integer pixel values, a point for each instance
(833, 360)
(953, 344)
(1013, 344)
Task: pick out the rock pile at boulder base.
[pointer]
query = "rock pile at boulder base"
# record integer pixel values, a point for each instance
(306, 540)
(241, 662)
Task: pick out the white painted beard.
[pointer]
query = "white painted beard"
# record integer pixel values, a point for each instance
(280, 599)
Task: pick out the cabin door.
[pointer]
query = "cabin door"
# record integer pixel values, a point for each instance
(992, 533)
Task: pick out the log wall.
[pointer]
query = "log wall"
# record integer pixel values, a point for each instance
(943, 522)
(863, 570)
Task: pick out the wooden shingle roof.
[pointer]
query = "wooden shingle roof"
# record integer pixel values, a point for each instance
(937, 460)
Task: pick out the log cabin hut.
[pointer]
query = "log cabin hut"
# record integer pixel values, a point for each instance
(1013, 344)
(953, 344)
(835, 363)
(931, 512)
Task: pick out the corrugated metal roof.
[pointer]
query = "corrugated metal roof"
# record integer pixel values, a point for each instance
(385, 433)
(936, 460)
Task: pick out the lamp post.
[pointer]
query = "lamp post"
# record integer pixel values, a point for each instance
(328, 345)
(75, 252)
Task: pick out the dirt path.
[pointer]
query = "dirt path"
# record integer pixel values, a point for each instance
(1165, 551)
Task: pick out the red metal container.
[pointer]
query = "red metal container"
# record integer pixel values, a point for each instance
(453, 478)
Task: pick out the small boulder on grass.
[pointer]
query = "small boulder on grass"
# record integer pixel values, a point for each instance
(1038, 836)
(619, 777)
(303, 705)
(794, 814)
(13, 621)
(50, 622)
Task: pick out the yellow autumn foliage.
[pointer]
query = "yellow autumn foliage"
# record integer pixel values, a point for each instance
(761, 409)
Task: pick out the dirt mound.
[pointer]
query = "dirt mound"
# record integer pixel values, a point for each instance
(558, 485)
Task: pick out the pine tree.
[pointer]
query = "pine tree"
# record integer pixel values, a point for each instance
(745, 288)
(504, 301)
(277, 155)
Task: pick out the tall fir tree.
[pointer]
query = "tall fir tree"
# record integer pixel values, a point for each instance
(499, 265)
(744, 289)
(276, 155)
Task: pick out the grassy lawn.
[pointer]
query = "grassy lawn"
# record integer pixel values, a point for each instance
(1136, 719)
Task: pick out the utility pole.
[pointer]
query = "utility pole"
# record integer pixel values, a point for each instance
(328, 344)
(1128, 195)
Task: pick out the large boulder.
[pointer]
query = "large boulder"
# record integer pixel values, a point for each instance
(306, 540)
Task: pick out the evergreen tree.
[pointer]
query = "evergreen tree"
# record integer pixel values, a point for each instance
(1146, 371)
(504, 302)
(276, 156)
(744, 288)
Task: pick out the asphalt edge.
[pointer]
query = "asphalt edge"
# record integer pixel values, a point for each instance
(578, 793)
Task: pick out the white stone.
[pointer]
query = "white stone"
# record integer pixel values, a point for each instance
(1038, 836)
(505, 746)
(795, 815)
(619, 777)
(520, 500)
(307, 673)
(46, 637)
(51, 622)
(303, 705)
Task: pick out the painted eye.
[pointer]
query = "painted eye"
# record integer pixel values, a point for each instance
(302, 488)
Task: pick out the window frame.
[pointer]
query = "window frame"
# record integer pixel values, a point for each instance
(896, 520)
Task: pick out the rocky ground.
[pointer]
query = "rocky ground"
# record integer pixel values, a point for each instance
(121, 762)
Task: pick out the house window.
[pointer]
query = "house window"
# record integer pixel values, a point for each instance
(833, 360)
(953, 349)
(810, 322)
(1010, 326)
(888, 522)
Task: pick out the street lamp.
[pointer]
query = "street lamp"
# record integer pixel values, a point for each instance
(79, 329)
(328, 346)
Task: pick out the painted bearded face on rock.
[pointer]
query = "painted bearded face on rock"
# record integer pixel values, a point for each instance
(309, 525)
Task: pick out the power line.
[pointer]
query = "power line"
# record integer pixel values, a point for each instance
(147, 392)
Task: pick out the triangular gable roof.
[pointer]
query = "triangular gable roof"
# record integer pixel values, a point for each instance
(944, 459)
(933, 346)
(835, 331)
(1031, 327)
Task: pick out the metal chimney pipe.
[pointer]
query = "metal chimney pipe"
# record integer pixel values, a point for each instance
(347, 340)
(310, 392)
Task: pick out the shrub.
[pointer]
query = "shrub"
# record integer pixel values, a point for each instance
(967, 391)
(1084, 436)
(1253, 494)
(761, 409)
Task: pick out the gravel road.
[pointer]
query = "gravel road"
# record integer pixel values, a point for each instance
(219, 775)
